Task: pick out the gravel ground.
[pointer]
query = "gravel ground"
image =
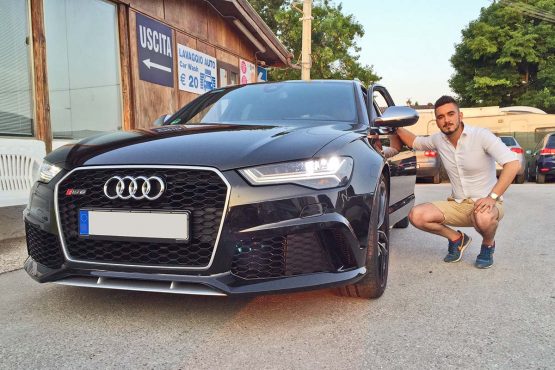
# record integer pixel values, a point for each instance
(13, 253)
(433, 315)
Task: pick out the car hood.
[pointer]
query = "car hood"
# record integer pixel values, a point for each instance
(222, 146)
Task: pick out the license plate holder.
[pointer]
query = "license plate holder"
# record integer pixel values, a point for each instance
(141, 225)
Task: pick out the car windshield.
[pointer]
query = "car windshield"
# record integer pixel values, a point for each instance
(298, 103)
(550, 142)
(508, 140)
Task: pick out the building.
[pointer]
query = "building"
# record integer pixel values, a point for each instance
(72, 68)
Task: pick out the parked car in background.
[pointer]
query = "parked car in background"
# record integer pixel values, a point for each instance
(247, 189)
(428, 165)
(542, 163)
(515, 147)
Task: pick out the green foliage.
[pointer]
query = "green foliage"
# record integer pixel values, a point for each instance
(507, 58)
(268, 10)
(334, 34)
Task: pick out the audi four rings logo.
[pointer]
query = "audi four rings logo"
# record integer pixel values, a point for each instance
(139, 187)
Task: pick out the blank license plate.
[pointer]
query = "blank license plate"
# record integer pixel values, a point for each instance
(159, 225)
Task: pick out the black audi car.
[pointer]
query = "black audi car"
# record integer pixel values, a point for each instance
(250, 189)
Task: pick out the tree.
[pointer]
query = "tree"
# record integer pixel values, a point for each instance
(507, 57)
(334, 34)
(268, 10)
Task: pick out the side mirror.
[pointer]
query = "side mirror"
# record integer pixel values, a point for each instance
(161, 120)
(397, 117)
(528, 152)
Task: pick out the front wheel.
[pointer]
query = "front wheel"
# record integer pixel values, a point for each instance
(519, 179)
(373, 284)
(403, 224)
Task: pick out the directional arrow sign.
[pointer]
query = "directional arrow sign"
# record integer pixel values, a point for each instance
(155, 51)
(150, 64)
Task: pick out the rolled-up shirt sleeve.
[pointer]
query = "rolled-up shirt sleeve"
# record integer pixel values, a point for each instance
(389, 152)
(497, 149)
(423, 143)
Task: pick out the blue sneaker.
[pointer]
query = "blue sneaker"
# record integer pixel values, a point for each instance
(485, 258)
(456, 248)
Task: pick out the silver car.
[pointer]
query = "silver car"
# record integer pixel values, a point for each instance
(515, 147)
(427, 165)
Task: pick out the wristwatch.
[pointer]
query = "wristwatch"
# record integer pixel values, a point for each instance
(493, 196)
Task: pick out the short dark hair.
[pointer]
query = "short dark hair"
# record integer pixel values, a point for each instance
(445, 99)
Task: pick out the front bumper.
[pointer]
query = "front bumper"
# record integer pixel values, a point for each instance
(245, 261)
(213, 285)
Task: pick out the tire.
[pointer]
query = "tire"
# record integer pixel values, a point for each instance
(403, 224)
(519, 179)
(436, 179)
(373, 284)
(529, 176)
(540, 179)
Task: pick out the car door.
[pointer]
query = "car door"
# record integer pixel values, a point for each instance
(403, 165)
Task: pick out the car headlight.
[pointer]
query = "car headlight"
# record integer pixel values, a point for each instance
(320, 173)
(48, 171)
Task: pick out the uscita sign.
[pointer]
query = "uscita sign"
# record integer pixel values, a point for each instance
(155, 51)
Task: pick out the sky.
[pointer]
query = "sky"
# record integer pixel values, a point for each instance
(410, 42)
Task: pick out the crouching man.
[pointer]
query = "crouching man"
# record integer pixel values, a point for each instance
(468, 155)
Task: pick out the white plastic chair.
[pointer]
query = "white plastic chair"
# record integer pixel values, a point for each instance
(20, 161)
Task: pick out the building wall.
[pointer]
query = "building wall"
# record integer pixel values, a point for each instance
(134, 103)
(194, 24)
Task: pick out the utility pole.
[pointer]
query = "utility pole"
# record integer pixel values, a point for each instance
(307, 40)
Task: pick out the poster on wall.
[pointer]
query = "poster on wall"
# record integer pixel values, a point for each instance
(247, 72)
(262, 74)
(155, 48)
(197, 71)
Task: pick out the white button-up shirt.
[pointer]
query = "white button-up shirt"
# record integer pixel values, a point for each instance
(471, 165)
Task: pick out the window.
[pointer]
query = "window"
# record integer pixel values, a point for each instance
(223, 77)
(233, 78)
(16, 111)
(509, 141)
(550, 142)
(83, 67)
(296, 103)
(380, 102)
(229, 74)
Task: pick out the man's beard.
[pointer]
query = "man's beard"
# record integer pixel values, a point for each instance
(449, 133)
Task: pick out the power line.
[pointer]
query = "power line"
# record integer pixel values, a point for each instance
(530, 10)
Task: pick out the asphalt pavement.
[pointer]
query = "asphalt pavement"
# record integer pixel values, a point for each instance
(432, 315)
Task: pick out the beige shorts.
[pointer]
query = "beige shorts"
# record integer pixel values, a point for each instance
(458, 214)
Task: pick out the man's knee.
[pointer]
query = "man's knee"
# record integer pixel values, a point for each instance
(484, 220)
(415, 216)
(423, 214)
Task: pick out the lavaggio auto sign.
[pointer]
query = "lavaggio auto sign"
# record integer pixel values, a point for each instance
(196, 70)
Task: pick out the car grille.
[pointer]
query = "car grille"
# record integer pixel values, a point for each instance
(342, 247)
(294, 254)
(201, 192)
(43, 247)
